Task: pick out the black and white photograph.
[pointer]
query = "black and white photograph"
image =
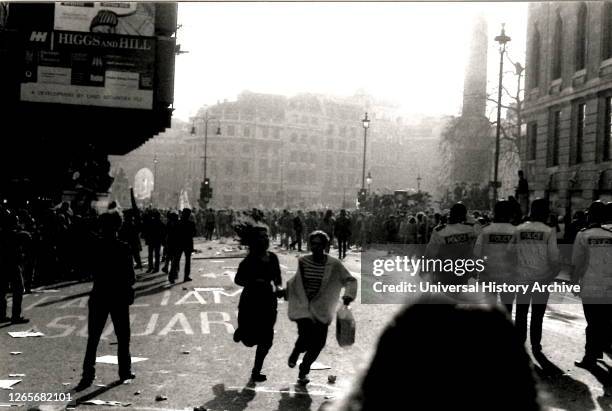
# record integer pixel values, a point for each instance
(306, 205)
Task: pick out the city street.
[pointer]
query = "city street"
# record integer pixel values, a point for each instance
(184, 332)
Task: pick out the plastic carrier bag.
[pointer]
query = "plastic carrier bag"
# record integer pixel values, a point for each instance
(345, 327)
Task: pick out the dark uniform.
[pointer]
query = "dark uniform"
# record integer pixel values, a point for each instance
(112, 294)
(12, 244)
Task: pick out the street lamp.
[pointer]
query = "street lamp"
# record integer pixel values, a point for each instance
(502, 39)
(155, 174)
(366, 124)
(419, 183)
(193, 133)
(369, 181)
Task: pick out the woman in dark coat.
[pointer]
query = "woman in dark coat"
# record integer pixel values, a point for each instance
(259, 273)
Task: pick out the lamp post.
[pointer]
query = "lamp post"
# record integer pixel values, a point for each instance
(206, 118)
(366, 124)
(419, 183)
(502, 39)
(369, 181)
(155, 175)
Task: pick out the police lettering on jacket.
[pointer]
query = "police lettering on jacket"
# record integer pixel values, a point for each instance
(534, 244)
(592, 261)
(492, 245)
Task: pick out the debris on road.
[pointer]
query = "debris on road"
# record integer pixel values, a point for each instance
(161, 398)
(200, 408)
(331, 379)
(137, 392)
(111, 403)
(186, 352)
(16, 375)
(112, 359)
(16, 352)
(8, 384)
(25, 334)
(316, 366)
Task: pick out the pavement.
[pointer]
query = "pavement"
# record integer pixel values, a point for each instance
(184, 333)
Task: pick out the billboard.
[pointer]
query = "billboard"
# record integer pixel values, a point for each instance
(92, 69)
(124, 18)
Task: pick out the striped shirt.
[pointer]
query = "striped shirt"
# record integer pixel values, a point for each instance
(312, 275)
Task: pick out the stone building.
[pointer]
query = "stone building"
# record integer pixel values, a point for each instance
(567, 152)
(275, 151)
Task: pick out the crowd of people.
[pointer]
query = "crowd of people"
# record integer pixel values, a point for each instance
(50, 244)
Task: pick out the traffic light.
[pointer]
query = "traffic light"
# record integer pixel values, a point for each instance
(362, 196)
(205, 191)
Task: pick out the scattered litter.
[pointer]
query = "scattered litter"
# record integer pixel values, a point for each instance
(217, 261)
(137, 393)
(200, 270)
(111, 403)
(210, 275)
(112, 359)
(127, 382)
(11, 405)
(230, 268)
(39, 290)
(209, 248)
(331, 379)
(227, 249)
(7, 384)
(317, 366)
(218, 253)
(66, 383)
(329, 397)
(163, 372)
(186, 352)
(16, 375)
(184, 288)
(161, 398)
(16, 352)
(208, 289)
(25, 334)
(100, 385)
(200, 408)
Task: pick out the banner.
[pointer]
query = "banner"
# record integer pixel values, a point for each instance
(125, 18)
(89, 69)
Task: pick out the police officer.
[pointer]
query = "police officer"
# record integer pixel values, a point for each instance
(535, 252)
(454, 240)
(592, 261)
(492, 244)
(112, 294)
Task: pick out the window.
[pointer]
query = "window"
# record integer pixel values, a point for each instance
(330, 129)
(330, 144)
(553, 138)
(231, 131)
(581, 37)
(557, 55)
(229, 167)
(264, 132)
(294, 138)
(245, 168)
(534, 65)
(606, 49)
(276, 133)
(246, 132)
(532, 140)
(578, 131)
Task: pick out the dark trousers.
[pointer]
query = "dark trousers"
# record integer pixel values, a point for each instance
(154, 251)
(538, 301)
(312, 336)
(136, 257)
(15, 280)
(209, 229)
(260, 356)
(598, 318)
(120, 316)
(297, 240)
(176, 261)
(342, 246)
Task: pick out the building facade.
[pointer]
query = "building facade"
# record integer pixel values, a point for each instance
(304, 151)
(567, 150)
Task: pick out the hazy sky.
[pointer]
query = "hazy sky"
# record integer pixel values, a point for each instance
(410, 53)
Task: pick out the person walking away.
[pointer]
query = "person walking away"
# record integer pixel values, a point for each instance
(112, 294)
(327, 226)
(592, 262)
(313, 295)
(129, 233)
(536, 256)
(259, 273)
(298, 228)
(153, 233)
(453, 241)
(342, 230)
(492, 246)
(184, 245)
(209, 226)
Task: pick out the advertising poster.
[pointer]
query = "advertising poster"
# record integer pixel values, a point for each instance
(126, 18)
(89, 69)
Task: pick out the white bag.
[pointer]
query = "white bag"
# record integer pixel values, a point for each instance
(345, 327)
